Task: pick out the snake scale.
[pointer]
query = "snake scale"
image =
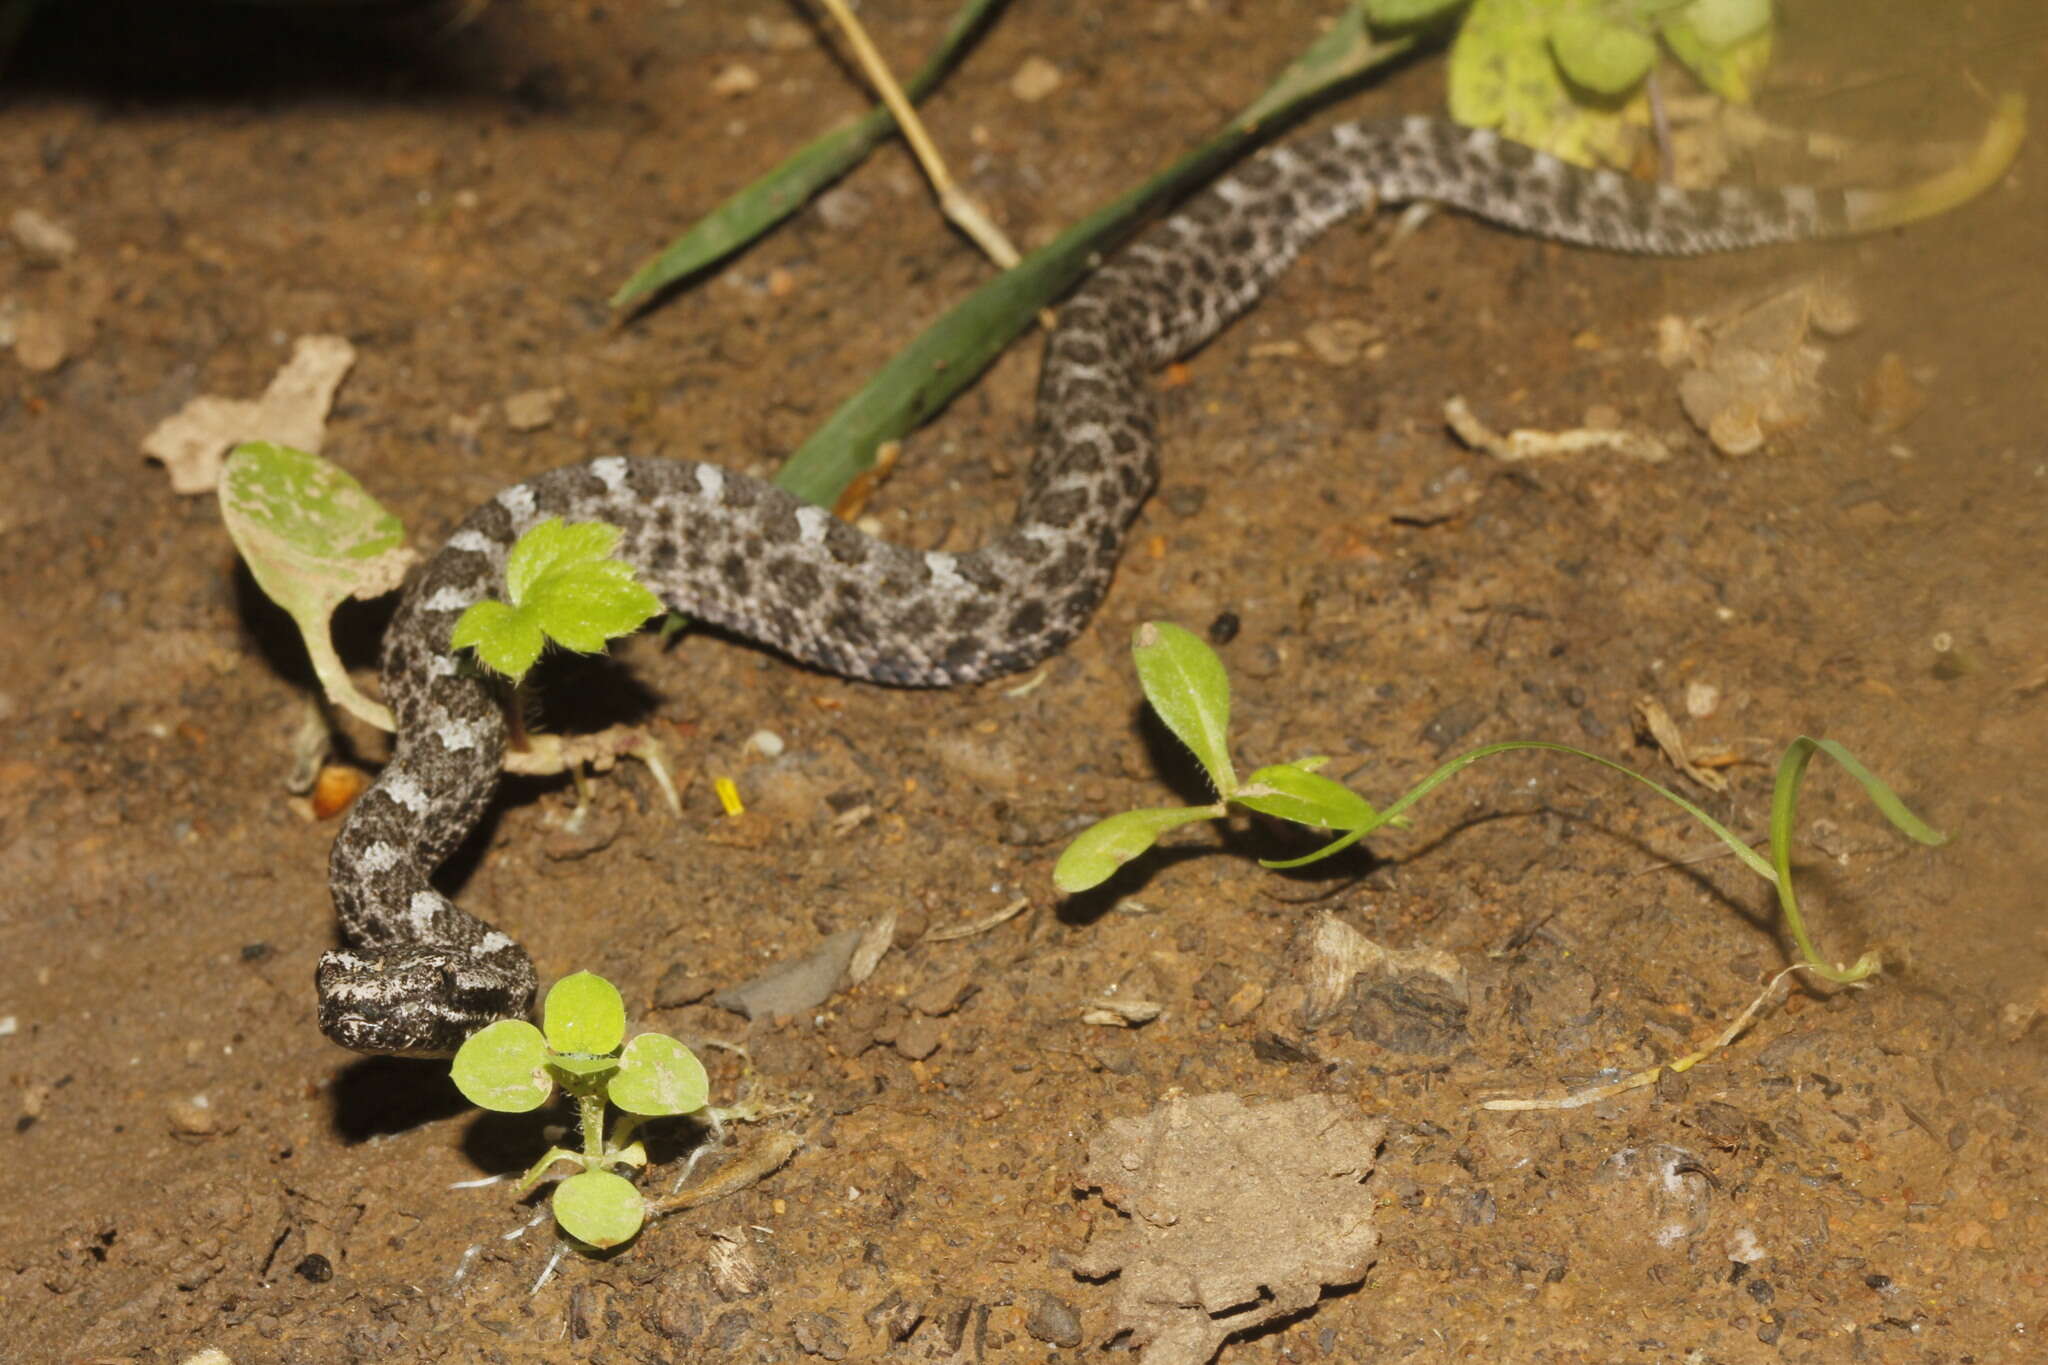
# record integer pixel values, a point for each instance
(420, 974)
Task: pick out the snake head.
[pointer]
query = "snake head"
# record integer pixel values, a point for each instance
(422, 1000)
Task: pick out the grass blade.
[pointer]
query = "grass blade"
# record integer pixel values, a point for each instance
(761, 205)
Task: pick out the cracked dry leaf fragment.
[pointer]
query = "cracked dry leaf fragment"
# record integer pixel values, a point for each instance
(1235, 1216)
(193, 442)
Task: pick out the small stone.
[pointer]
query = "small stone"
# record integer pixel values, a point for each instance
(1702, 699)
(735, 81)
(314, 1268)
(1035, 79)
(533, 409)
(917, 1038)
(944, 995)
(1889, 398)
(42, 240)
(193, 1116)
(1243, 1003)
(39, 341)
(818, 1335)
(1052, 1321)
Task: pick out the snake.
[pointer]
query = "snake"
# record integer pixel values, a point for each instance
(419, 974)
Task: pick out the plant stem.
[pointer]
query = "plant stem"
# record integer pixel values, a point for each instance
(590, 1118)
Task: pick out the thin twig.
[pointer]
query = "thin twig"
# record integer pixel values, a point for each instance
(953, 201)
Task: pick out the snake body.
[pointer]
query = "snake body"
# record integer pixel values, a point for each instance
(420, 974)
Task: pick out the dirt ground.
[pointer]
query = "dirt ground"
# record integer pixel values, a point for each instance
(190, 1165)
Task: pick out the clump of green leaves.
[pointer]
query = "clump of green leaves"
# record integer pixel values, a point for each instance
(563, 585)
(581, 1046)
(1185, 683)
(1557, 73)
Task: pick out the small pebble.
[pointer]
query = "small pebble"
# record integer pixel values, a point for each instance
(736, 80)
(533, 409)
(1702, 699)
(39, 341)
(193, 1116)
(766, 743)
(1034, 80)
(42, 241)
(1052, 1321)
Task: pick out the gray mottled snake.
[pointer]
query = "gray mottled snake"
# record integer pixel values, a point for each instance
(420, 974)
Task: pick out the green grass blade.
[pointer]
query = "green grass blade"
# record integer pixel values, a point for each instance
(1784, 804)
(953, 351)
(761, 205)
(1755, 861)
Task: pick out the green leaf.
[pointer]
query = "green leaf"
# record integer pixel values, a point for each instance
(503, 1067)
(584, 1016)
(502, 637)
(563, 586)
(1099, 850)
(1732, 71)
(1604, 57)
(1186, 684)
(658, 1076)
(1292, 792)
(599, 1208)
(1724, 23)
(312, 539)
(1503, 74)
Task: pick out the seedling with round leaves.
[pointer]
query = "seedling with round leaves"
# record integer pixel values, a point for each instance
(581, 1046)
(1188, 689)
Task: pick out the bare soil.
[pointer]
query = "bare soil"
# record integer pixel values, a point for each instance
(190, 1165)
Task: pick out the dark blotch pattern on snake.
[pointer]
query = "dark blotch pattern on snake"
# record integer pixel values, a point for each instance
(420, 974)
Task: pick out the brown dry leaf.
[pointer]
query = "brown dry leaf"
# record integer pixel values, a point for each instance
(1234, 1216)
(193, 441)
(1653, 720)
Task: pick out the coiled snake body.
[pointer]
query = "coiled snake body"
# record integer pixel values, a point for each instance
(420, 974)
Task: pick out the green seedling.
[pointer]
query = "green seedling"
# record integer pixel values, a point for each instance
(1563, 75)
(312, 539)
(513, 1068)
(564, 586)
(1185, 683)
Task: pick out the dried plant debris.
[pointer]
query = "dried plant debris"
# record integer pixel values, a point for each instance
(1234, 1216)
(1751, 371)
(1414, 1001)
(194, 441)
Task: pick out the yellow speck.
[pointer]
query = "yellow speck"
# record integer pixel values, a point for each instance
(729, 796)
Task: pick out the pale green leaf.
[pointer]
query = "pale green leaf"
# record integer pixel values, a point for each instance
(584, 1016)
(1186, 684)
(1099, 850)
(1291, 792)
(563, 587)
(312, 539)
(1724, 23)
(659, 1076)
(553, 546)
(503, 1067)
(505, 639)
(1503, 75)
(1731, 71)
(1604, 57)
(599, 1208)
